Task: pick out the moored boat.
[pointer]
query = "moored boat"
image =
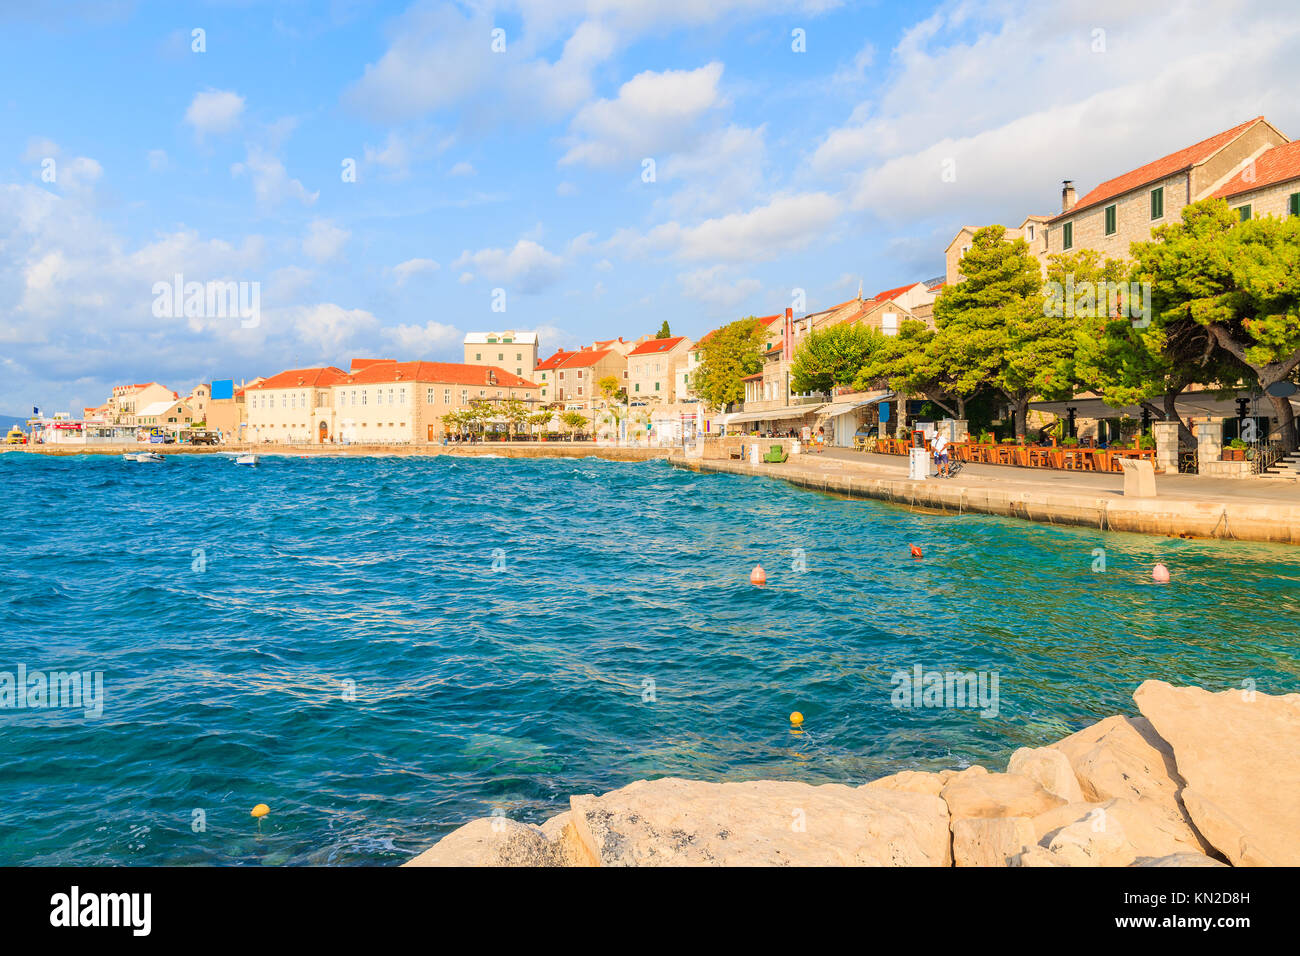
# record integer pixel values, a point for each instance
(246, 460)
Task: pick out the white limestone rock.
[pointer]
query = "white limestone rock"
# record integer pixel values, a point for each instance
(1239, 753)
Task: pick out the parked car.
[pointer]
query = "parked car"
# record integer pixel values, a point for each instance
(204, 438)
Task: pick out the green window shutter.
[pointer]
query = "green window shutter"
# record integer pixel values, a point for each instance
(1157, 202)
(1293, 204)
(1244, 211)
(1110, 220)
(1067, 236)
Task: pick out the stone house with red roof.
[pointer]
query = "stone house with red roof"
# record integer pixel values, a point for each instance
(1270, 186)
(376, 401)
(1125, 209)
(653, 369)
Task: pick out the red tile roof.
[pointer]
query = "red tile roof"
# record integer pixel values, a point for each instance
(765, 320)
(359, 364)
(895, 293)
(1165, 166)
(585, 358)
(657, 345)
(554, 361)
(1277, 165)
(304, 378)
(750, 378)
(449, 373)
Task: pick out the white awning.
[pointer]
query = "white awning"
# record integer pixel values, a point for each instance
(773, 414)
(840, 408)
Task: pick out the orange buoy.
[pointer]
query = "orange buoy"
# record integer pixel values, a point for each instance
(758, 576)
(916, 552)
(1160, 574)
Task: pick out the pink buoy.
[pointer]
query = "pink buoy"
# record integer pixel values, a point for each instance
(1160, 574)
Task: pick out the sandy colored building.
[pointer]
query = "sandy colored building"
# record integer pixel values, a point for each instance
(1268, 187)
(511, 350)
(230, 415)
(1125, 209)
(293, 406)
(653, 367)
(126, 400)
(170, 415)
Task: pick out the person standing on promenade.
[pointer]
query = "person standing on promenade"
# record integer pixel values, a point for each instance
(940, 448)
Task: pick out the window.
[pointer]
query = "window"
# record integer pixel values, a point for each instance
(1110, 220)
(656, 386)
(638, 387)
(519, 356)
(464, 396)
(1029, 232)
(446, 396)
(1067, 236)
(478, 356)
(519, 371)
(364, 394)
(1293, 204)
(1158, 203)
(428, 396)
(1244, 212)
(501, 357)
(401, 396)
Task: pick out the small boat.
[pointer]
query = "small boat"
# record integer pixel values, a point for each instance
(142, 456)
(246, 460)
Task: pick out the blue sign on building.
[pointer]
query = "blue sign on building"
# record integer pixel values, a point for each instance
(223, 389)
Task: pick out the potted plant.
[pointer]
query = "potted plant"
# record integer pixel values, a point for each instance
(1069, 443)
(1236, 450)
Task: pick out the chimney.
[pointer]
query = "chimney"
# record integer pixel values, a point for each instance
(1067, 195)
(789, 313)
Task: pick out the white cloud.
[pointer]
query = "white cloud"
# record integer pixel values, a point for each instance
(413, 267)
(654, 115)
(214, 112)
(394, 155)
(422, 341)
(271, 182)
(566, 189)
(1015, 100)
(441, 59)
(329, 329)
(324, 240)
(461, 169)
(711, 287)
(526, 268)
(784, 225)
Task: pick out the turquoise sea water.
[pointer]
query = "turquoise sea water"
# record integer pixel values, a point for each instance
(498, 622)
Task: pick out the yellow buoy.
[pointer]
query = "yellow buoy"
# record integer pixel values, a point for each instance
(796, 718)
(261, 810)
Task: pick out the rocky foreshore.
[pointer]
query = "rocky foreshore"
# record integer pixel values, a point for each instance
(1199, 779)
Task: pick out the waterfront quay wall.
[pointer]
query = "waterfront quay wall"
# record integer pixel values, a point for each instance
(497, 449)
(1273, 522)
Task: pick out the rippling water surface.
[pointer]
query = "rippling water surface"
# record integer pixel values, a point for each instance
(498, 622)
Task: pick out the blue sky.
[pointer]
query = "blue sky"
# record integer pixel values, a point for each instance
(523, 170)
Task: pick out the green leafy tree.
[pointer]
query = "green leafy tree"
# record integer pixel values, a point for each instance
(911, 363)
(540, 419)
(575, 421)
(1240, 282)
(728, 356)
(515, 413)
(993, 327)
(614, 397)
(664, 332)
(834, 356)
(1129, 361)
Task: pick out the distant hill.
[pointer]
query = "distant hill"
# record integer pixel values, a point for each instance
(9, 421)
